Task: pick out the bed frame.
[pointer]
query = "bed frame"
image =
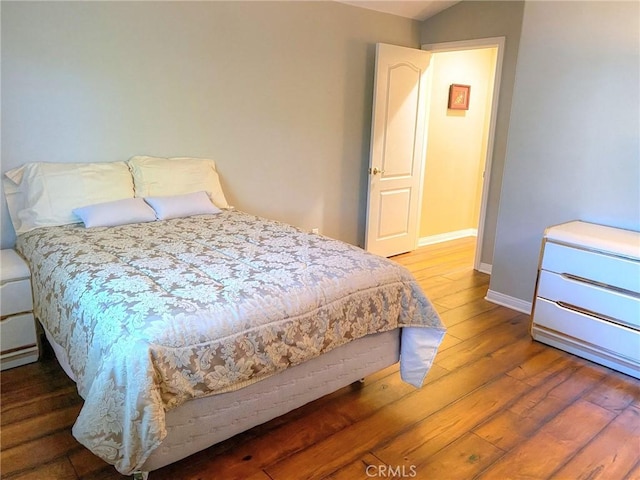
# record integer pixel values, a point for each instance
(203, 422)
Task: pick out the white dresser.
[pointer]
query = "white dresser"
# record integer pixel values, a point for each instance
(17, 326)
(587, 298)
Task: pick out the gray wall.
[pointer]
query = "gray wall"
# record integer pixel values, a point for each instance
(278, 93)
(471, 20)
(574, 146)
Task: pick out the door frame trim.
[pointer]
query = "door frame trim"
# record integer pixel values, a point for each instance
(491, 42)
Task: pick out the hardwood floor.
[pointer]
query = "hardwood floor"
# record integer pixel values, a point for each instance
(494, 406)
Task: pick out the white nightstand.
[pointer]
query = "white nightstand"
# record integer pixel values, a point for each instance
(18, 341)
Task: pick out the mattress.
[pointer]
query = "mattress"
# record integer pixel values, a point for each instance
(153, 315)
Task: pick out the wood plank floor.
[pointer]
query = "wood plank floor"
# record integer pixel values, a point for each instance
(495, 406)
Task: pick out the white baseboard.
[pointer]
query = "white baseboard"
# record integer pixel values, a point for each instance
(509, 302)
(445, 237)
(485, 268)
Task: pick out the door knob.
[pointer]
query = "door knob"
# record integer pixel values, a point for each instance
(375, 171)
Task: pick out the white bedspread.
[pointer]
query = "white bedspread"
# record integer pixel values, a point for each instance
(152, 315)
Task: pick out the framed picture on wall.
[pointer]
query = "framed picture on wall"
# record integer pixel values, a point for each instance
(459, 96)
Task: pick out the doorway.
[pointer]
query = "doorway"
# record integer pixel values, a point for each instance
(460, 143)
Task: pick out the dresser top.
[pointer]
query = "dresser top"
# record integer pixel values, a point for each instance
(597, 237)
(12, 266)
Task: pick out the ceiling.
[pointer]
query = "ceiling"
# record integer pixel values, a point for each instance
(416, 9)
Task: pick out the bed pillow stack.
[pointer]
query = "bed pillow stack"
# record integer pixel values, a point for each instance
(112, 193)
(156, 176)
(45, 194)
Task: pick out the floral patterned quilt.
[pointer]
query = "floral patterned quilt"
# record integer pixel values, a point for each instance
(154, 314)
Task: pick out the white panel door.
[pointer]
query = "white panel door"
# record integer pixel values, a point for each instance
(398, 134)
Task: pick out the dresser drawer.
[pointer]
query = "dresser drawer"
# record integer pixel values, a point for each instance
(17, 332)
(607, 269)
(15, 297)
(611, 337)
(617, 305)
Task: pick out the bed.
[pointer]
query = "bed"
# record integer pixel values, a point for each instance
(184, 321)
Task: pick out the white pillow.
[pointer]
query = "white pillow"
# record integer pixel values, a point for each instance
(155, 176)
(45, 194)
(118, 212)
(176, 206)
